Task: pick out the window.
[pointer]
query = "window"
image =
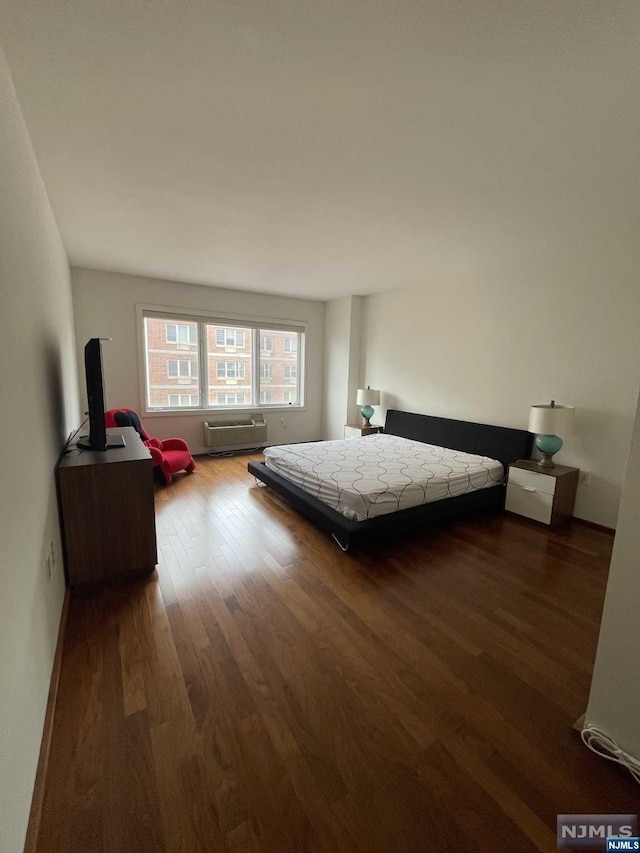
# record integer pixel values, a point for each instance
(182, 369)
(230, 399)
(220, 363)
(176, 400)
(230, 370)
(181, 334)
(229, 337)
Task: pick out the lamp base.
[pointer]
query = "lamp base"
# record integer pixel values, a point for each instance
(366, 412)
(548, 445)
(546, 461)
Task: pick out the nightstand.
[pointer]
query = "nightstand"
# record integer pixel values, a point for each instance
(547, 495)
(357, 430)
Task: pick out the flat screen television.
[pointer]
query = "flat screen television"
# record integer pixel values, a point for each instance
(97, 438)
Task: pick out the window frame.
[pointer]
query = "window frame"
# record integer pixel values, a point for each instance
(253, 325)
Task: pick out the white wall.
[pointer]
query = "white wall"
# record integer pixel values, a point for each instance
(342, 335)
(39, 399)
(485, 346)
(614, 703)
(355, 360)
(105, 306)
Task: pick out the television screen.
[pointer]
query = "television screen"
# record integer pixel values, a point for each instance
(97, 438)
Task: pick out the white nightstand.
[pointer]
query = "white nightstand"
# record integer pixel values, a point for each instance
(546, 495)
(357, 430)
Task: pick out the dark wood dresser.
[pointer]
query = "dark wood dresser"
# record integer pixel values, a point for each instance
(107, 511)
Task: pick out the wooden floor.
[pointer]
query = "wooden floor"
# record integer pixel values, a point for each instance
(265, 692)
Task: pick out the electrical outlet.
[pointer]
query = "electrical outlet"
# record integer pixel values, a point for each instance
(585, 478)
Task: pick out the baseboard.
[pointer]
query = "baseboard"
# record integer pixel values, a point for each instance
(594, 526)
(33, 828)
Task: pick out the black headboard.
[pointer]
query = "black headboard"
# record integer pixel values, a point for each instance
(501, 443)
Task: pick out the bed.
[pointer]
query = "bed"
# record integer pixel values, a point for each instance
(420, 470)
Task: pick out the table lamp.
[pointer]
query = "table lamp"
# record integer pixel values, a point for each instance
(547, 421)
(367, 398)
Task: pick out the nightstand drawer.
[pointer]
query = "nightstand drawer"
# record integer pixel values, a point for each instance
(524, 501)
(532, 481)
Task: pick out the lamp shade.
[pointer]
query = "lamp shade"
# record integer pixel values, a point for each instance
(551, 419)
(368, 397)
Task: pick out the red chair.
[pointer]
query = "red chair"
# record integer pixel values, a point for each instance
(170, 455)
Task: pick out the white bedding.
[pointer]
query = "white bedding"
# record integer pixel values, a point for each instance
(378, 474)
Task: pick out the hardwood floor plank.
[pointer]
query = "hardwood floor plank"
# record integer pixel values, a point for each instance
(133, 693)
(140, 811)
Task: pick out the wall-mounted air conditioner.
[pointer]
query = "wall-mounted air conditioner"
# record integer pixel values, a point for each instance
(235, 433)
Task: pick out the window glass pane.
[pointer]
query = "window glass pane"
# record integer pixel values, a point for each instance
(229, 337)
(175, 401)
(175, 361)
(278, 367)
(229, 354)
(230, 399)
(172, 363)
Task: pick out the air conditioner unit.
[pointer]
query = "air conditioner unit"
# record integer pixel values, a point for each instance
(235, 433)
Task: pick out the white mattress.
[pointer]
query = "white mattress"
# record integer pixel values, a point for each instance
(378, 474)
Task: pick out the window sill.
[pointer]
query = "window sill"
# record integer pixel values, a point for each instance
(202, 413)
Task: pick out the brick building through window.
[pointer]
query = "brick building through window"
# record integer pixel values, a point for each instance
(223, 370)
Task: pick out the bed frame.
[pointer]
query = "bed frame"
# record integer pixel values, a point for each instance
(501, 443)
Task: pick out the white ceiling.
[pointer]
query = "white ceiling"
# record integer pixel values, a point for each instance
(326, 148)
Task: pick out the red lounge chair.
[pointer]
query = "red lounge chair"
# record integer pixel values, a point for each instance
(170, 455)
